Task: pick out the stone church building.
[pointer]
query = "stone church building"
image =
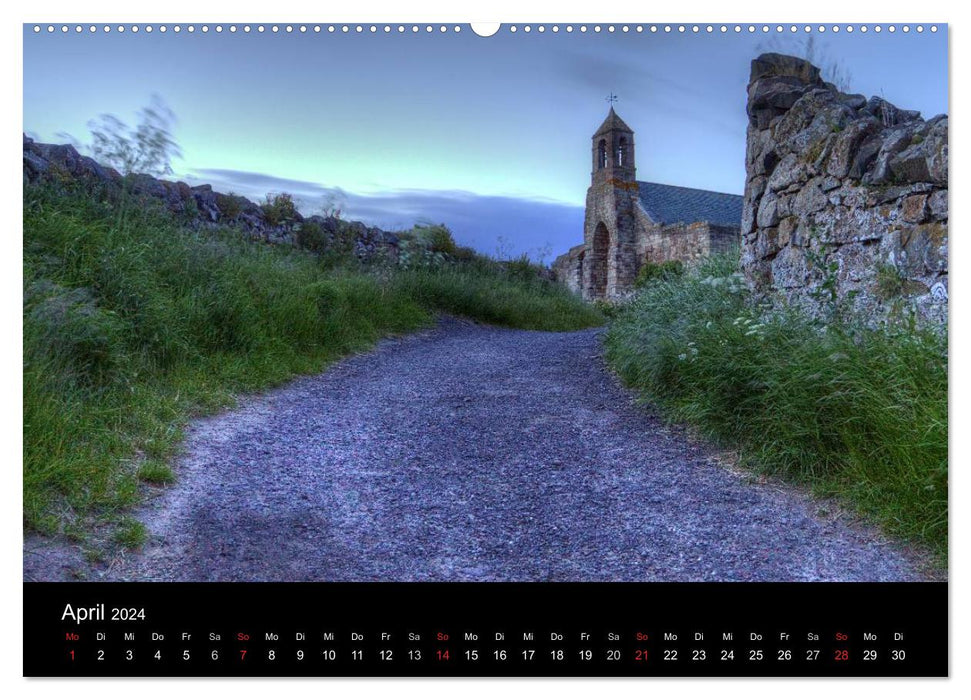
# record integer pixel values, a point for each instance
(628, 223)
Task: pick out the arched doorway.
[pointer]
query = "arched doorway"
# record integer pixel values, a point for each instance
(597, 260)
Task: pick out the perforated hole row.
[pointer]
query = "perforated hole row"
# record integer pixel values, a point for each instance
(443, 29)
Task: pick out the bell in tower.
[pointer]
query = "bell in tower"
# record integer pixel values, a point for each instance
(613, 151)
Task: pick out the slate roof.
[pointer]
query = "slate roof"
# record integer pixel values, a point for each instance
(668, 204)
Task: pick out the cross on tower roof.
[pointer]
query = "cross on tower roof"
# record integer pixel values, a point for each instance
(611, 98)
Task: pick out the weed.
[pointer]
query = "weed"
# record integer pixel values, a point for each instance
(651, 271)
(889, 282)
(156, 472)
(130, 533)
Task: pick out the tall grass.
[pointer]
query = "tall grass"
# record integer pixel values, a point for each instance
(496, 294)
(134, 324)
(855, 412)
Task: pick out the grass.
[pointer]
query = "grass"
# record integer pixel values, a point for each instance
(134, 323)
(854, 412)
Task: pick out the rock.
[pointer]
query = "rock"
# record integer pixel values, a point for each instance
(888, 114)
(854, 102)
(924, 250)
(893, 143)
(914, 208)
(206, 202)
(810, 199)
(830, 183)
(910, 165)
(936, 147)
(937, 203)
(787, 230)
(760, 150)
(835, 185)
(775, 64)
(771, 97)
(768, 214)
(885, 195)
(749, 213)
(790, 170)
(846, 146)
(813, 116)
(866, 154)
(34, 165)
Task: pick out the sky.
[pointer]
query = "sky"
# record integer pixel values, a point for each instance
(489, 135)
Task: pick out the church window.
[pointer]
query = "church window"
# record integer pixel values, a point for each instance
(601, 155)
(622, 153)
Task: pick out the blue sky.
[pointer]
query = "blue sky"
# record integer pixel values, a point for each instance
(488, 135)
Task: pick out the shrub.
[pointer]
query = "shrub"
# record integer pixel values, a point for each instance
(279, 209)
(311, 236)
(651, 271)
(230, 205)
(438, 239)
(522, 268)
(464, 254)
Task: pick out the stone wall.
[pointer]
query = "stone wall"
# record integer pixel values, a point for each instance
(684, 242)
(200, 205)
(609, 236)
(845, 197)
(568, 269)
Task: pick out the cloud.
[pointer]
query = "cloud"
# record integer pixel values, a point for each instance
(633, 82)
(591, 71)
(256, 184)
(524, 225)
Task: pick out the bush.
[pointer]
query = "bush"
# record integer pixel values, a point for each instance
(310, 236)
(855, 412)
(651, 271)
(438, 239)
(522, 268)
(464, 254)
(279, 209)
(230, 205)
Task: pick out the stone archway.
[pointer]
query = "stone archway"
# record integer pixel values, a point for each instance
(597, 261)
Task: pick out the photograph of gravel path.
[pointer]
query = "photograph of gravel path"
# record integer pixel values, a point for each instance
(548, 305)
(472, 453)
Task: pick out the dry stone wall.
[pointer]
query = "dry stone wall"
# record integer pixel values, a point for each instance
(846, 198)
(203, 207)
(568, 268)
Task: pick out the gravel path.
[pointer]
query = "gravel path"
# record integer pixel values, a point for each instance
(480, 454)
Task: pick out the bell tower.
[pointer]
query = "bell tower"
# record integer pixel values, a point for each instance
(613, 151)
(610, 219)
